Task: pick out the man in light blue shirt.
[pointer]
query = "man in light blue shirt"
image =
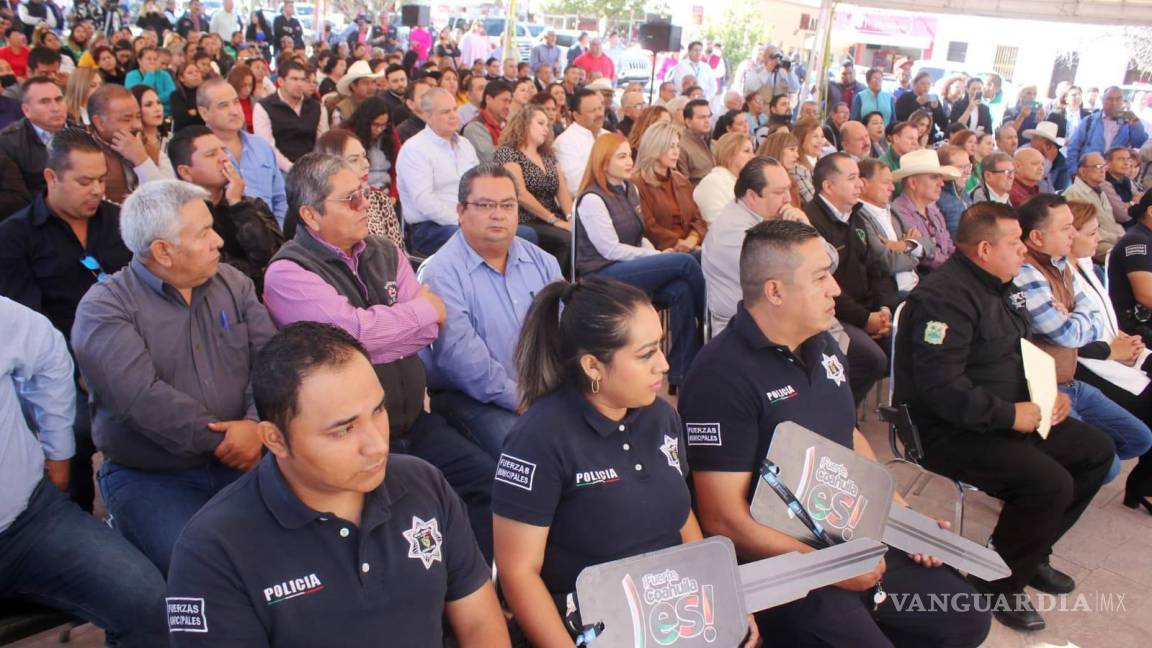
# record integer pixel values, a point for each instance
(255, 159)
(49, 548)
(546, 53)
(487, 278)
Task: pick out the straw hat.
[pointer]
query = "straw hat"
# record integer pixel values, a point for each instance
(359, 70)
(600, 85)
(922, 162)
(1045, 130)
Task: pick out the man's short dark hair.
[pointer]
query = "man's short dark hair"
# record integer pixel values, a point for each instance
(691, 106)
(767, 254)
(183, 143)
(869, 167)
(988, 164)
(895, 129)
(42, 56)
(294, 353)
(482, 170)
(577, 97)
(494, 89)
(695, 44)
(34, 81)
(827, 168)
(980, 222)
(100, 98)
(395, 67)
(1083, 161)
(872, 72)
(1111, 153)
(752, 176)
(776, 99)
(1033, 214)
(491, 60)
(291, 65)
(64, 143)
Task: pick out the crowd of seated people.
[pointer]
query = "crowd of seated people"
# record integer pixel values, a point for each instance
(297, 297)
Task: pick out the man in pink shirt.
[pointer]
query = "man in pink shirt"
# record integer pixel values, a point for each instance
(595, 60)
(333, 272)
(420, 41)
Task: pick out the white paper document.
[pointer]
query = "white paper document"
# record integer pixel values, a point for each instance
(1040, 372)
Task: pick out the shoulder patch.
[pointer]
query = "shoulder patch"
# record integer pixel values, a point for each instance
(703, 434)
(1140, 249)
(934, 332)
(515, 472)
(186, 614)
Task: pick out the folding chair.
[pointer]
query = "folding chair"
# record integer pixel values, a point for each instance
(904, 438)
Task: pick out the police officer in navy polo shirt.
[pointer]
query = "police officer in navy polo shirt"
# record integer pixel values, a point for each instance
(594, 469)
(329, 542)
(775, 362)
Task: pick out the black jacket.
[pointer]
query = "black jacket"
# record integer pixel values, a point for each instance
(907, 104)
(983, 121)
(251, 236)
(22, 159)
(865, 284)
(157, 22)
(183, 106)
(958, 361)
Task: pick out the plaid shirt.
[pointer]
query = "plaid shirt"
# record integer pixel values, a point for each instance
(1074, 330)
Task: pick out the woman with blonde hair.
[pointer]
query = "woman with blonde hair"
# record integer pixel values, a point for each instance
(715, 190)
(611, 241)
(650, 115)
(525, 149)
(783, 147)
(81, 85)
(809, 134)
(671, 216)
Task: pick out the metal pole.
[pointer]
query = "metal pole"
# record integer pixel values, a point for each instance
(508, 43)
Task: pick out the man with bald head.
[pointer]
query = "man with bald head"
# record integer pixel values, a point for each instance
(1029, 171)
(854, 140)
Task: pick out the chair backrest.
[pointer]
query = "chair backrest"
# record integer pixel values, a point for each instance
(901, 430)
(892, 352)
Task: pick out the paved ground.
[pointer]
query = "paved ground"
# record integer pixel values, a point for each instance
(1109, 553)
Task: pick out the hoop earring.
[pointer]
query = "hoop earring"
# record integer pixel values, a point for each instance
(595, 385)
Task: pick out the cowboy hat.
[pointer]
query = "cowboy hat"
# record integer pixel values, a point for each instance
(1045, 130)
(359, 70)
(922, 162)
(600, 85)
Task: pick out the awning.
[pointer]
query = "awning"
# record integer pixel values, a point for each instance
(883, 29)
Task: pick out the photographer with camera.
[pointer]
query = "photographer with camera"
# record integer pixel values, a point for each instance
(921, 99)
(765, 75)
(1114, 126)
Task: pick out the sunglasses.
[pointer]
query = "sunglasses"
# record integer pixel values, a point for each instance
(93, 266)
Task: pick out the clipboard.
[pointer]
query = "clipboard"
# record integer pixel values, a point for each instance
(1040, 372)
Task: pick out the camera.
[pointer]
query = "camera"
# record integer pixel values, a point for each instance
(778, 56)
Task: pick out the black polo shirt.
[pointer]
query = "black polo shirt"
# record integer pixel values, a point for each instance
(607, 489)
(257, 567)
(1132, 253)
(40, 259)
(742, 385)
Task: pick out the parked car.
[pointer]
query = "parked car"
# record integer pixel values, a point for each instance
(635, 65)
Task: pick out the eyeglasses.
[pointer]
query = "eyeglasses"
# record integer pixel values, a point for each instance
(93, 266)
(489, 206)
(1007, 172)
(355, 197)
(1098, 167)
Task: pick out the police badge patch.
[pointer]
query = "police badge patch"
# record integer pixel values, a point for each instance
(671, 450)
(833, 369)
(934, 332)
(424, 541)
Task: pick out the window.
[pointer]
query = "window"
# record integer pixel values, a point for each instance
(807, 22)
(1005, 62)
(957, 51)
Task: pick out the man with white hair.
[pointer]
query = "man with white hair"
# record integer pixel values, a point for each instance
(166, 347)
